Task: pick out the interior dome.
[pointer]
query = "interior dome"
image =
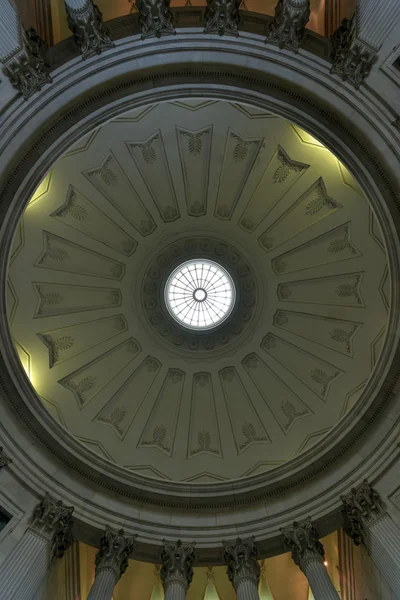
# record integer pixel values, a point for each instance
(211, 181)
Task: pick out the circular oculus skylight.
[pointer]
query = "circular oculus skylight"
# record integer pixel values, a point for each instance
(200, 294)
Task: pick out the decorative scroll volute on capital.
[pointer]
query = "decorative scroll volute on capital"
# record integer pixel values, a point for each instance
(177, 563)
(241, 558)
(288, 27)
(352, 59)
(361, 507)
(155, 17)
(53, 519)
(91, 36)
(302, 539)
(222, 16)
(4, 459)
(114, 552)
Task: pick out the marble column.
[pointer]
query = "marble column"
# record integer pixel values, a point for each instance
(308, 554)
(177, 569)
(48, 537)
(366, 522)
(111, 563)
(22, 52)
(243, 568)
(86, 23)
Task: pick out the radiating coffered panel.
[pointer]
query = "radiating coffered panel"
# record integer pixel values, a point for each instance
(284, 404)
(311, 207)
(332, 333)
(160, 429)
(120, 411)
(239, 157)
(151, 162)
(58, 299)
(86, 382)
(342, 290)
(63, 255)
(111, 180)
(246, 424)
(199, 178)
(67, 342)
(195, 155)
(315, 373)
(81, 214)
(280, 176)
(330, 247)
(204, 432)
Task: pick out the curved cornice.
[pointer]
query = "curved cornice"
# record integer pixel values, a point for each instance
(297, 87)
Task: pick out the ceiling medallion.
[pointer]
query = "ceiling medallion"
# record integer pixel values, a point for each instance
(203, 263)
(200, 294)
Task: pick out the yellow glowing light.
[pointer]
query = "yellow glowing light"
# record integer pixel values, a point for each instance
(326, 563)
(306, 138)
(41, 190)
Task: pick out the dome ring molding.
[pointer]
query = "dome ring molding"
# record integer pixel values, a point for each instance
(223, 82)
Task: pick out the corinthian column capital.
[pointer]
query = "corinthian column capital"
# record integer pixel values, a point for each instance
(86, 23)
(241, 558)
(361, 507)
(53, 520)
(114, 552)
(352, 58)
(288, 26)
(302, 539)
(177, 564)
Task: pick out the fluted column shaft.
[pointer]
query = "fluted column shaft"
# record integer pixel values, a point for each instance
(366, 522)
(308, 554)
(24, 569)
(10, 31)
(103, 585)
(76, 4)
(48, 537)
(111, 563)
(319, 580)
(246, 589)
(383, 544)
(175, 590)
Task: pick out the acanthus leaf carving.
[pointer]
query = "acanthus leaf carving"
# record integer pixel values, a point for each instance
(114, 552)
(177, 564)
(361, 507)
(241, 558)
(352, 58)
(116, 417)
(155, 18)
(341, 335)
(86, 24)
(302, 539)
(222, 16)
(290, 412)
(288, 26)
(53, 519)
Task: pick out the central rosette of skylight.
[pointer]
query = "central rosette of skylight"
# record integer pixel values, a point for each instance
(200, 294)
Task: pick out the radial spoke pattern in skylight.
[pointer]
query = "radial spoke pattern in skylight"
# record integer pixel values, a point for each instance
(200, 294)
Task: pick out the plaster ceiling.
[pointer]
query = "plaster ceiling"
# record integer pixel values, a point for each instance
(162, 184)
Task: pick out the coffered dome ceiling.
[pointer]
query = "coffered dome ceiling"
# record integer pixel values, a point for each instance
(157, 187)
